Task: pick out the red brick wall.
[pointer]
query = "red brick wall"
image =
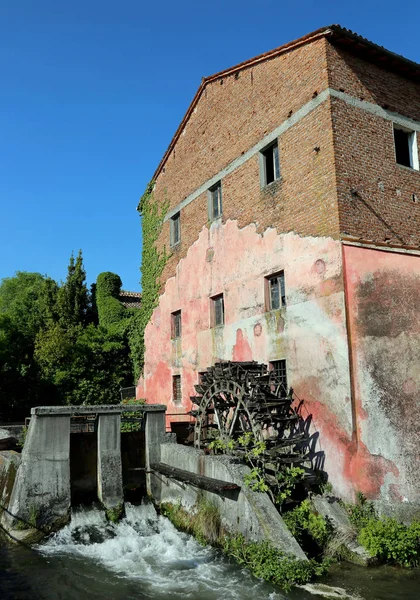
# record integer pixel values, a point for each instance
(383, 208)
(229, 120)
(369, 82)
(335, 150)
(233, 116)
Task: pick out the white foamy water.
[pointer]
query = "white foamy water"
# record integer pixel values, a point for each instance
(147, 550)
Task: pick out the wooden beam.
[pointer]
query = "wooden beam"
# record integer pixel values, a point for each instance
(201, 481)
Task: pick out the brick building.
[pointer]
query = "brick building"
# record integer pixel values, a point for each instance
(293, 228)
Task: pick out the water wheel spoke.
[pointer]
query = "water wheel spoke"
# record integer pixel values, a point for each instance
(234, 398)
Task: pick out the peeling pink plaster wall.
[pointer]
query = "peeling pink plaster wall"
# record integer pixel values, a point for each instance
(310, 333)
(383, 290)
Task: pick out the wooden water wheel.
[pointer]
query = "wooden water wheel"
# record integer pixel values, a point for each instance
(234, 398)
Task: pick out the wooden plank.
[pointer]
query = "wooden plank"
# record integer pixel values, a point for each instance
(201, 481)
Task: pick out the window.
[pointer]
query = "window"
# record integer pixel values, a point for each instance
(175, 233)
(279, 368)
(218, 311)
(176, 389)
(275, 291)
(215, 201)
(176, 324)
(269, 164)
(405, 142)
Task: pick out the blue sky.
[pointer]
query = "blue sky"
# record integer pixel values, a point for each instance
(92, 91)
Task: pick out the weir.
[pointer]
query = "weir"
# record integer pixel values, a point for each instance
(42, 486)
(42, 491)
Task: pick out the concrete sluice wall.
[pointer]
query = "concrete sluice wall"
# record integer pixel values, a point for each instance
(242, 511)
(84, 472)
(54, 469)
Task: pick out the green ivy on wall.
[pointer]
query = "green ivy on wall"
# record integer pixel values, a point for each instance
(153, 263)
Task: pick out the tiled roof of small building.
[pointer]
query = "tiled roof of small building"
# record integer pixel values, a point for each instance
(130, 299)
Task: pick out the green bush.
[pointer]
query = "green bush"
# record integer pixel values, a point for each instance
(361, 513)
(303, 519)
(391, 541)
(269, 563)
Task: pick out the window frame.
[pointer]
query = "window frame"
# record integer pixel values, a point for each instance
(175, 387)
(412, 147)
(281, 288)
(213, 311)
(270, 152)
(176, 218)
(174, 321)
(210, 204)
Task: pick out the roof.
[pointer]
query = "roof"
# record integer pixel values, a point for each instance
(130, 299)
(337, 35)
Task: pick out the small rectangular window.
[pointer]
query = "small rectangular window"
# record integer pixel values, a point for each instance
(405, 142)
(176, 324)
(269, 164)
(215, 201)
(176, 389)
(175, 232)
(279, 367)
(217, 311)
(275, 291)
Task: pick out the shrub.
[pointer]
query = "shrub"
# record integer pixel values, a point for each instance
(269, 563)
(391, 541)
(361, 513)
(303, 519)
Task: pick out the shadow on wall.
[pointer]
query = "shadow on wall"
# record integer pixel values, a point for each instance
(310, 447)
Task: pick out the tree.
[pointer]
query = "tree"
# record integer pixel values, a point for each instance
(29, 300)
(73, 298)
(21, 385)
(86, 365)
(51, 348)
(27, 303)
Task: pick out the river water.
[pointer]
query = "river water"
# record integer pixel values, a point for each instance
(144, 556)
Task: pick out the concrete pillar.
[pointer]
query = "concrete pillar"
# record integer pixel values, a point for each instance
(42, 485)
(155, 430)
(110, 488)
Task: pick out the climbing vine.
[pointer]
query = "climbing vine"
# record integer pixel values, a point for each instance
(110, 310)
(153, 263)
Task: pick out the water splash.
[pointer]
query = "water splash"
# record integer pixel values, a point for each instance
(146, 548)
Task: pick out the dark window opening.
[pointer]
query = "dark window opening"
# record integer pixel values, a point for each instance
(402, 147)
(176, 229)
(270, 165)
(218, 311)
(176, 324)
(279, 368)
(176, 389)
(215, 201)
(275, 291)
